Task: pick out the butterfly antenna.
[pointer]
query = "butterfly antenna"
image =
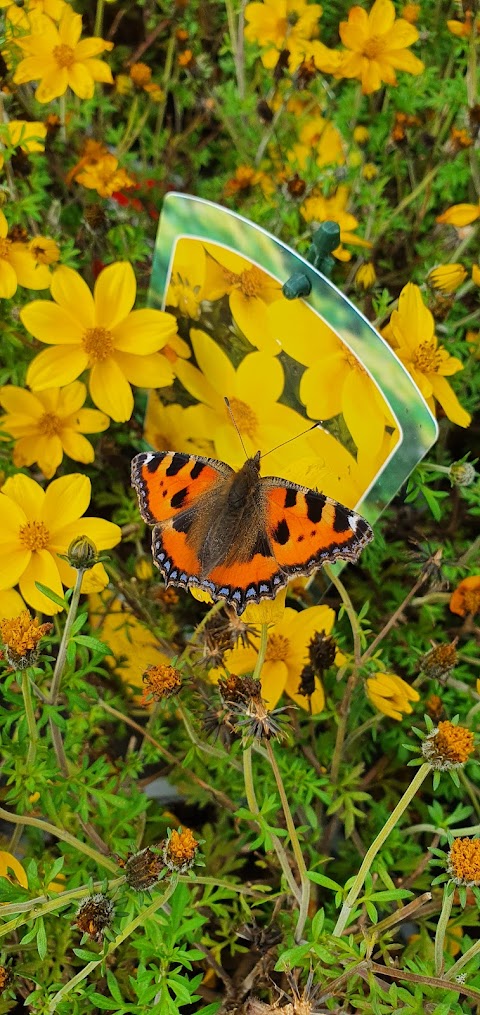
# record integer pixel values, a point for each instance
(229, 407)
(290, 439)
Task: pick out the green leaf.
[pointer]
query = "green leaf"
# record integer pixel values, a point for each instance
(52, 595)
(321, 879)
(93, 643)
(41, 939)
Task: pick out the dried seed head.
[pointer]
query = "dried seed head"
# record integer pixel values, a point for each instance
(440, 661)
(448, 746)
(94, 914)
(180, 851)
(307, 681)
(321, 651)
(462, 474)
(21, 636)
(240, 689)
(143, 869)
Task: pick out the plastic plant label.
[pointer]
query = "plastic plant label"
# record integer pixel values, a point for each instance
(283, 365)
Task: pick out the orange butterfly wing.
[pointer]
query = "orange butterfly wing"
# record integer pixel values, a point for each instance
(170, 486)
(307, 529)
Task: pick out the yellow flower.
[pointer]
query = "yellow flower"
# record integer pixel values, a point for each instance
(250, 292)
(105, 177)
(476, 274)
(27, 135)
(361, 134)
(369, 171)
(287, 654)
(323, 209)
(463, 29)
(411, 12)
(18, 266)
(253, 391)
(48, 424)
(11, 604)
(391, 695)
(473, 338)
(10, 865)
(100, 333)
(44, 250)
(282, 24)
(60, 59)
(335, 381)
(460, 215)
(133, 646)
(416, 344)
(366, 275)
(320, 139)
(447, 277)
(36, 525)
(171, 427)
(378, 46)
(187, 278)
(448, 746)
(246, 177)
(464, 861)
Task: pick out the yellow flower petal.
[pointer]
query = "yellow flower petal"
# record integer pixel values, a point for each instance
(56, 366)
(114, 294)
(66, 499)
(11, 604)
(41, 568)
(71, 293)
(28, 497)
(110, 390)
(151, 371)
(144, 331)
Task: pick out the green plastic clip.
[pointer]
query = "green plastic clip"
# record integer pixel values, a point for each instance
(326, 239)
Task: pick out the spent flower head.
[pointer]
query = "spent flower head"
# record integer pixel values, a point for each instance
(94, 914)
(143, 869)
(161, 681)
(21, 636)
(440, 661)
(463, 862)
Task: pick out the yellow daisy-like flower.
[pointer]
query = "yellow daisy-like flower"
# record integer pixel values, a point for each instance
(287, 654)
(412, 334)
(318, 208)
(60, 59)
(391, 695)
(100, 333)
(476, 274)
(282, 24)
(250, 293)
(171, 427)
(447, 277)
(133, 646)
(105, 177)
(335, 382)
(366, 276)
(36, 525)
(253, 391)
(377, 42)
(318, 139)
(27, 135)
(186, 286)
(18, 266)
(460, 215)
(48, 424)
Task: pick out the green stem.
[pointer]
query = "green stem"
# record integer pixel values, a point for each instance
(62, 652)
(125, 933)
(443, 919)
(63, 118)
(262, 651)
(254, 809)
(236, 44)
(35, 908)
(408, 199)
(471, 953)
(60, 833)
(292, 831)
(376, 845)
(98, 29)
(30, 717)
(354, 676)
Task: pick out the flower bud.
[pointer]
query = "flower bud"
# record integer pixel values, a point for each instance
(462, 474)
(82, 553)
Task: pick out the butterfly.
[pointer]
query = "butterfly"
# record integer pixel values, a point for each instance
(237, 535)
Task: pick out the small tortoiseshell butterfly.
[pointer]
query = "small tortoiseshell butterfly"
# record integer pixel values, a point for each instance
(237, 535)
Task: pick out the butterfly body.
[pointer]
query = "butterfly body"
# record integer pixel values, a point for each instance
(237, 535)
